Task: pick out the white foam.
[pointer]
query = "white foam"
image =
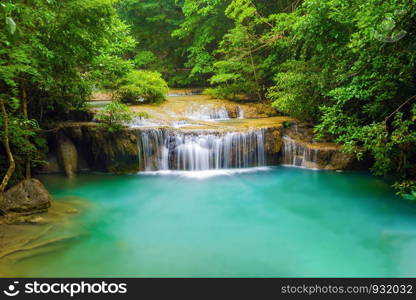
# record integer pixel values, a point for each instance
(206, 173)
(300, 167)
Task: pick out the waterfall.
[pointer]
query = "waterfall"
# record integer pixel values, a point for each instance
(152, 155)
(166, 149)
(140, 122)
(207, 113)
(240, 113)
(298, 154)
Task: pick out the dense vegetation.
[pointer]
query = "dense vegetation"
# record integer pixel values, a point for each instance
(346, 66)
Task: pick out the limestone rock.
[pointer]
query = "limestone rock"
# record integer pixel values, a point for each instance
(71, 211)
(37, 221)
(273, 140)
(112, 152)
(300, 149)
(67, 155)
(28, 197)
(341, 161)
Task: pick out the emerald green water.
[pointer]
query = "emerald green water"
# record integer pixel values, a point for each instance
(272, 223)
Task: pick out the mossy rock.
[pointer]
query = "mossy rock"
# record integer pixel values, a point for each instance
(113, 152)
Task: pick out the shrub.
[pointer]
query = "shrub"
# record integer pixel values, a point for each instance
(406, 189)
(114, 116)
(143, 87)
(296, 91)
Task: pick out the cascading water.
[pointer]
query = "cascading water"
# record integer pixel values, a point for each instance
(208, 113)
(164, 149)
(298, 154)
(240, 113)
(140, 122)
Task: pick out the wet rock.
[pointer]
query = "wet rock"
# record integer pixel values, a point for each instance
(72, 211)
(22, 237)
(273, 140)
(86, 146)
(37, 221)
(52, 165)
(67, 155)
(341, 161)
(112, 152)
(300, 149)
(26, 198)
(232, 111)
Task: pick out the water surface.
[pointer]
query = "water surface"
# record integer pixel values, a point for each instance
(276, 222)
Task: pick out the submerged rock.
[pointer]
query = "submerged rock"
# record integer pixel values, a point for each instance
(72, 211)
(23, 237)
(37, 221)
(26, 198)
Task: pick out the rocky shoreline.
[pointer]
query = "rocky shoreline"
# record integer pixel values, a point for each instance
(29, 234)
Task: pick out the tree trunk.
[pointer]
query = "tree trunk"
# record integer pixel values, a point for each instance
(6, 143)
(25, 115)
(260, 98)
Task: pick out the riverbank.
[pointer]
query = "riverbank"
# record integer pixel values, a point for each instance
(40, 234)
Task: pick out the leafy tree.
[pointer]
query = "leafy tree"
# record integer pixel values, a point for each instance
(238, 72)
(297, 90)
(152, 23)
(49, 54)
(246, 58)
(143, 87)
(114, 116)
(204, 26)
(363, 58)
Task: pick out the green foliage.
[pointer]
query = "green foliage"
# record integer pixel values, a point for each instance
(60, 50)
(347, 66)
(368, 70)
(406, 189)
(296, 92)
(245, 57)
(152, 23)
(110, 65)
(114, 116)
(288, 124)
(203, 26)
(237, 72)
(52, 55)
(144, 59)
(143, 87)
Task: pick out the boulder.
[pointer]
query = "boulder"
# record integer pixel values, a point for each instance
(28, 197)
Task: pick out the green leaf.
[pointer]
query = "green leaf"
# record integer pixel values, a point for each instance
(11, 24)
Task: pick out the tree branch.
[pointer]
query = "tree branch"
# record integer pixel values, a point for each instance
(399, 108)
(6, 143)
